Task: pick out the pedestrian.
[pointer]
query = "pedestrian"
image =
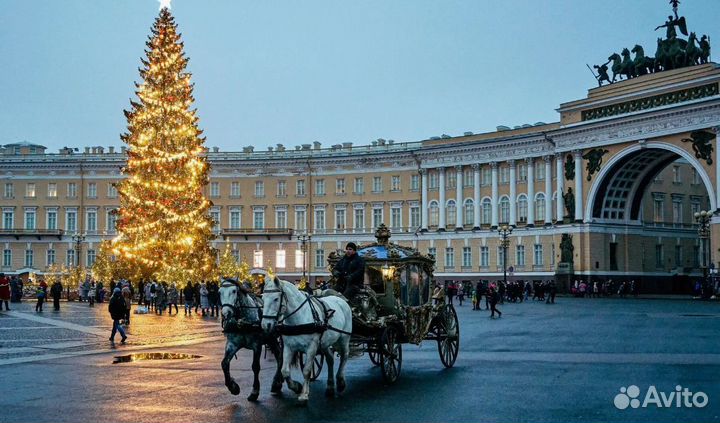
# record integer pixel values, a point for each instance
(117, 312)
(40, 294)
(451, 291)
(100, 292)
(148, 296)
(85, 291)
(474, 299)
(552, 289)
(172, 298)
(204, 303)
(160, 299)
(461, 295)
(189, 299)
(5, 291)
(127, 296)
(141, 290)
(153, 294)
(14, 294)
(214, 298)
(494, 299)
(91, 294)
(56, 292)
(196, 295)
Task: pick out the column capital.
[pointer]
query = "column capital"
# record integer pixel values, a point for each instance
(530, 161)
(511, 163)
(494, 165)
(475, 166)
(559, 156)
(577, 153)
(458, 168)
(422, 171)
(441, 169)
(548, 158)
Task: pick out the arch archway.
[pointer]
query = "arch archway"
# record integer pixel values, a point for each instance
(616, 194)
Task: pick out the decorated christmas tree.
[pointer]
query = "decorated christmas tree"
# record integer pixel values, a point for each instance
(163, 224)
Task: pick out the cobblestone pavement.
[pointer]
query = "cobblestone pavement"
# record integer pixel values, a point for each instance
(538, 363)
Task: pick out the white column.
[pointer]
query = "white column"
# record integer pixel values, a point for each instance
(578, 186)
(531, 191)
(560, 187)
(441, 188)
(458, 198)
(476, 195)
(494, 199)
(513, 194)
(548, 190)
(424, 202)
(717, 169)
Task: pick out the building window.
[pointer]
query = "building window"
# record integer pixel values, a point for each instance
(70, 258)
(504, 210)
(52, 219)
(484, 256)
(50, 257)
(695, 177)
(319, 258)
(7, 258)
(486, 176)
(299, 259)
(30, 219)
(486, 211)
(71, 221)
(377, 184)
(433, 213)
(72, 190)
(451, 212)
(677, 179)
(259, 219)
(234, 219)
(259, 189)
(52, 190)
(92, 190)
(214, 189)
(235, 189)
(90, 258)
(340, 186)
(522, 209)
(30, 190)
(414, 182)
(468, 178)
(433, 179)
(658, 256)
(111, 219)
(678, 256)
(658, 207)
(696, 256)
(504, 175)
(258, 258)
(320, 187)
(320, 219)
(538, 254)
(281, 219)
(112, 191)
(91, 220)
(280, 259)
(522, 172)
(540, 174)
(282, 189)
(677, 211)
(395, 183)
(467, 257)
(396, 218)
(449, 257)
(377, 217)
(300, 188)
(300, 220)
(451, 178)
(9, 190)
(613, 256)
(469, 208)
(414, 217)
(360, 219)
(28, 258)
(540, 206)
(8, 219)
(501, 256)
(215, 217)
(520, 255)
(359, 186)
(340, 218)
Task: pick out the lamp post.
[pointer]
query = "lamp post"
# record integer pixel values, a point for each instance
(504, 231)
(78, 238)
(703, 220)
(304, 241)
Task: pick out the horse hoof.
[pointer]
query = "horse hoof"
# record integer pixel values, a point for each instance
(296, 387)
(253, 397)
(276, 388)
(341, 385)
(234, 388)
(302, 403)
(330, 393)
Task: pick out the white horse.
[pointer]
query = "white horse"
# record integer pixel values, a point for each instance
(308, 325)
(241, 326)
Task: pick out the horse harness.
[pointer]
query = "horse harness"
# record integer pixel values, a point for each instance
(241, 326)
(319, 325)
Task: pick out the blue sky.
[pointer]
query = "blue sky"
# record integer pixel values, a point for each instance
(293, 72)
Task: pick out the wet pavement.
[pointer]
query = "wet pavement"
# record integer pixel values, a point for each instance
(538, 363)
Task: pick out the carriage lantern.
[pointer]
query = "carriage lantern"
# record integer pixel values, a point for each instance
(388, 272)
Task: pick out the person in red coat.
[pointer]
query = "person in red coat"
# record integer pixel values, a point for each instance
(4, 291)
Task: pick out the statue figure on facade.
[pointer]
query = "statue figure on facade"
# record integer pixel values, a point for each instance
(642, 65)
(594, 160)
(569, 167)
(704, 49)
(701, 144)
(569, 200)
(602, 73)
(566, 249)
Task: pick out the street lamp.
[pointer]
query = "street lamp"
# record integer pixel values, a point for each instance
(78, 238)
(504, 231)
(304, 242)
(703, 220)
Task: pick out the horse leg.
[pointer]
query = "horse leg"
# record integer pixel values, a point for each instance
(278, 378)
(287, 358)
(343, 351)
(230, 350)
(330, 363)
(307, 371)
(256, 372)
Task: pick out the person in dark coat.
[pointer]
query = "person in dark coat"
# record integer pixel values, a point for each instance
(349, 272)
(56, 291)
(189, 293)
(4, 291)
(494, 299)
(117, 312)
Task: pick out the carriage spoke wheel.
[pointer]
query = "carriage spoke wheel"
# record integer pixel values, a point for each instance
(390, 355)
(374, 357)
(318, 362)
(448, 338)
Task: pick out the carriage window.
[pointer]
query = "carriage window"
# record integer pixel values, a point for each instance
(375, 279)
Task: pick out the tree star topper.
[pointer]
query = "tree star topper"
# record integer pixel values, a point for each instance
(164, 4)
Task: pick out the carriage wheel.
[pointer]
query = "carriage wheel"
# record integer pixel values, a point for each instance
(318, 362)
(374, 357)
(448, 338)
(390, 355)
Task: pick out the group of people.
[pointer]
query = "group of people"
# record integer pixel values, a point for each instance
(608, 288)
(158, 296)
(11, 290)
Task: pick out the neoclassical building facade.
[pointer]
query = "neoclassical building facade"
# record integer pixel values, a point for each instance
(620, 176)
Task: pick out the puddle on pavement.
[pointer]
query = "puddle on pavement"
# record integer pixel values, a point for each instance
(153, 356)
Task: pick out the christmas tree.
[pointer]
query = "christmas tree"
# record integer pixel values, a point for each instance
(163, 225)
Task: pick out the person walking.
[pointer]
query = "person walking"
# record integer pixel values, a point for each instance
(204, 302)
(160, 298)
(148, 296)
(91, 294)
(188, 292)
(461, 295)
(214, 298)
(127, 296)
(117, 311)
(40, 294)
(494, 299)
(552, 290)
(172, 298)
(4, 291)
(56, 292)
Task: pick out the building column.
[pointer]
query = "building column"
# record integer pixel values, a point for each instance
(513, 193)
(548, 190)
(476, 195)
(441, 189)
(494, 199)
(717, 169)
(579, 217)
(459, 207)
(531, 191)
(424, 202)
(560, 188)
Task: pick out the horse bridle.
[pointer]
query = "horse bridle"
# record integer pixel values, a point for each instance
(236, 307)
(280, 308)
